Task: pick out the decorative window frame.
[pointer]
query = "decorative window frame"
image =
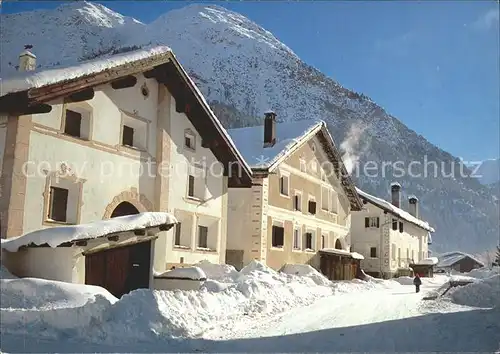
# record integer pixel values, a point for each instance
(66, 174)
(78, 107)
(283, 173)
(189, 132)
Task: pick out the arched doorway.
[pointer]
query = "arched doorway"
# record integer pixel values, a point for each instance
(338, 244)
(124, 208)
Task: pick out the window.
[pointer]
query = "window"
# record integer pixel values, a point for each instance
(323, 175)
(128, 136)
(297, 201)
(400, 226)
(189, 140)
(323, 241)
(309, 241)
(372, 221)
(394, 224)
(278, 236)
(202, 236)
(373, 252)
(333, 202)
(399, 256)
(196, 183)
(135, 132)
(73, 123)
(393, 252)
(58, 204)
(407, 253)
(284, 184)
(296, 239)
(191, 186)
(177, 237)
(303, 165)
(325, 193)
(412, 255)
(314, 166)
(312, 207)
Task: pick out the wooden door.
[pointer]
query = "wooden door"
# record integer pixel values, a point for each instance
(121, 269)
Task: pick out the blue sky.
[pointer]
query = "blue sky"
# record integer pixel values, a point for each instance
(434, 65)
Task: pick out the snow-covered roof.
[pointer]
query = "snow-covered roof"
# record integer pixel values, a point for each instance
(450, 258)
(385, 205)
(192, 273)
(427, 261)
(354, 255)
(55, 236)
(153, 54)
(250, 141)
(34, 79)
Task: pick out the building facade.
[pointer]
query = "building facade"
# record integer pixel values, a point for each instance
(298, 204)
(389, 238)
(113, 137)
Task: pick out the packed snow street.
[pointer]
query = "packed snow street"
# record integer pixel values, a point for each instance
(255, 310)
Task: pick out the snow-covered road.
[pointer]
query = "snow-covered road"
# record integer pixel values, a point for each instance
(391, 320)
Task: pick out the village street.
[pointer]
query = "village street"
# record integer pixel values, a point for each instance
(395, 319)
(391, 320)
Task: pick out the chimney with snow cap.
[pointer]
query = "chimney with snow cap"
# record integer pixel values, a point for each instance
(396, 194)
(269, 129)
(27, 60)
(413, 202)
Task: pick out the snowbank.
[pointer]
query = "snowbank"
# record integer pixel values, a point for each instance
(306, 270)
(51, 307)
(5, 274)
(481, 293)
(228, 299)
(55, 236)
(404, 280)
(193, 273)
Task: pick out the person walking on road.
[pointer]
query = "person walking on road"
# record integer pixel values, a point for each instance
(417, 282)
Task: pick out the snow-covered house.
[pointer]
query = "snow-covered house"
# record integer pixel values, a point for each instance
(389, 238)
(118, 135)
(114, 253)
(301, 200)
(457, 261)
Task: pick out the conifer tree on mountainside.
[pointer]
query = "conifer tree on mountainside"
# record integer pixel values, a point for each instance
(497, 256)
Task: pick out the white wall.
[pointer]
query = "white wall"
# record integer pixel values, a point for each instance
(63, 264)
(106, 174)
(238, 218)
(210, 209)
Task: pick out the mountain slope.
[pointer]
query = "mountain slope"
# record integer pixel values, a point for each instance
(243, 70)
(488, 171)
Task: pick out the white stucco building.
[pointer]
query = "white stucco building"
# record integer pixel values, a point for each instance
(389, 238)
(126, 134)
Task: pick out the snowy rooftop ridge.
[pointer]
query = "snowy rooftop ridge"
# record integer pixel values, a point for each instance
(55, 236)
(35, 79)
(250, 141)
(449, 258)
(395, 210)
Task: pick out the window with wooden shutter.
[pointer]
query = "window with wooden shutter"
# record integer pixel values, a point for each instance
(400, 226)
(373, 252)
(73, 123)
(58, 204)
(312, 207)
(128, 136)
(394, 224)
(367, 222)
(297, 202)
(278, 236)
(323, 241)
(202, 236)
(296, 239)
(177, 239)
(191, 186)
(309, 241)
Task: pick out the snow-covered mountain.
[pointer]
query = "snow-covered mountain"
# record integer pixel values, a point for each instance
(244, 70)
(488, 171)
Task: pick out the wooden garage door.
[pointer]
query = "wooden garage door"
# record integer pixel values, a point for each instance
(119, 270)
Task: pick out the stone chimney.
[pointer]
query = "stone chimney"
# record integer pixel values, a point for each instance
(27, 60)
(396, 194)
(413, 202)
(269, 129)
